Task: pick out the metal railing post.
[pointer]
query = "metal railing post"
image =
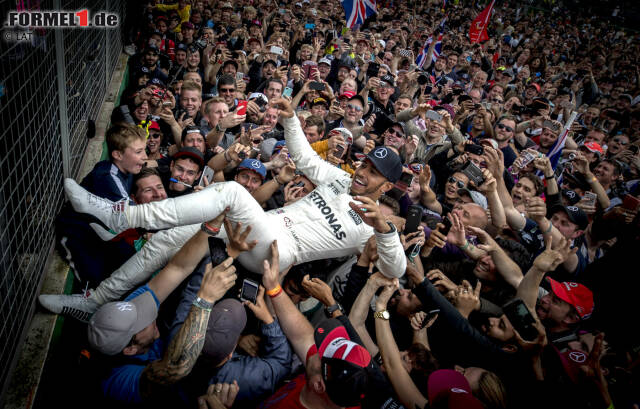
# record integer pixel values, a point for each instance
(62, 99)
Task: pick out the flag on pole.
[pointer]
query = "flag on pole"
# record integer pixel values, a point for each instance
(357, 11)
(556, 151)
(478, 29)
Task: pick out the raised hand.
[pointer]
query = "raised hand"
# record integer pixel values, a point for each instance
(237, 239)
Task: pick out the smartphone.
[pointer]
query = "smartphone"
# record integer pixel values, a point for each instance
(242, 107)
(414, 216)
(475, 149)
(282, 11)
(373, 69)
(166, 103)
(216, 245)
(309, 26)
(429, 316)
(630, 202)
(405, 53)
(339, 153)
(433, 115)
(249, 291)
(590, 198)
(447, 226)
(405, 181)
(284, 63)
(473, 173)
(208, 172)
(240, 76)
(275, 50)
(521, 319)
(288, 91)
(634, 149)
(315, 85)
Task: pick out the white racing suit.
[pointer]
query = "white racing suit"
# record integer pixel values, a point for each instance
(320, 225)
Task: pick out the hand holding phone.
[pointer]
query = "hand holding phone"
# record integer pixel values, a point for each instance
(242, 107)
(249, 290)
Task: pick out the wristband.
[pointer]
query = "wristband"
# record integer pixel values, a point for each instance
(202, 304)
(211, 231)
(593, 179)
(549, 177)
(549, 229)
(274, 292)
(466, 244)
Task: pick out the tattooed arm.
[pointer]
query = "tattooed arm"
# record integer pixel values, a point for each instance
(184, 349)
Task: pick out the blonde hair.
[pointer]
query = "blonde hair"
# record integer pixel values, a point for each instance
(191, 86)
(491, 391)
(121, 135)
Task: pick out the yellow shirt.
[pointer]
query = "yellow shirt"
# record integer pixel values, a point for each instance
(322, 149)
(183, 13)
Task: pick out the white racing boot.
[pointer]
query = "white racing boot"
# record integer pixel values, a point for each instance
(78, 306)
(107, 218)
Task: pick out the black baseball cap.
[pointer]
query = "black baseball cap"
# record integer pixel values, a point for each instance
(345, 364)
(191, 153)
(387, 162)
(388, 79)
(576, 215)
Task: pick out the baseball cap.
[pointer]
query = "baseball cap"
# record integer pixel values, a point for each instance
(359, 98)
(270, 61)
(575, 214)
(190, 152)
(571, 196)
(152, 48)
(319, 101)
(181, 46)
(477, 197)
(388, 79)
(387, 162)
(345, 363)
(227, 5)
(324, 61)
(253, 165)
(114, 324)
(382, 43)
(277, 147)
(226, 322)
(576, 294)
(156, 81)
(154, 125)
(254, 40)
(447, 388)
(593, 147)
(255, 95)
(347, 94)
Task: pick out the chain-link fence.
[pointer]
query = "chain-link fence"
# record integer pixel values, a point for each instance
(51, 89)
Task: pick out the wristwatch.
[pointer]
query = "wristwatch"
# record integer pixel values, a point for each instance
(328, 311)
(382, 315)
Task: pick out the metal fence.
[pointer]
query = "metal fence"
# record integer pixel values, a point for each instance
(51, 89)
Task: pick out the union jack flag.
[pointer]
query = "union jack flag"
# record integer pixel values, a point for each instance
(422, 57)
(357, 11)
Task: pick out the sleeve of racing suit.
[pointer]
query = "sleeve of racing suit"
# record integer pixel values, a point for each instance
(306, 159)
(391, 259)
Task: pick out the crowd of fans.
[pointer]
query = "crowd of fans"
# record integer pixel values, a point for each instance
(514, 211)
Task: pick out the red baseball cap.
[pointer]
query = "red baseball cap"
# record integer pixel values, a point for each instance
(593, 147)
(347, 94)
(447, 388)
(534, 85)
(154, 125)
(576, 294)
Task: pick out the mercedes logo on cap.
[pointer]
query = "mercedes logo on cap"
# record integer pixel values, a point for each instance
(572, 208)
(380, 153)
(255, 164)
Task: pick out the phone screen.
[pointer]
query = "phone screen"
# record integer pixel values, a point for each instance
(249, 291)
(287, 92)
(339, 151)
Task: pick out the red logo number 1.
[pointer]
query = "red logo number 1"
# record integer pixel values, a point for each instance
(84, 17)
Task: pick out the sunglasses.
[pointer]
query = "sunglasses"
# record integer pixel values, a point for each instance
(497, 100)
(354, 107)
(459, 183)
(505, 127)
(620, 141)
(392, 131)
(155, 135)
(227, 90)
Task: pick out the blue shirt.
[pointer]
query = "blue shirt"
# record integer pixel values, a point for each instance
(106, 180)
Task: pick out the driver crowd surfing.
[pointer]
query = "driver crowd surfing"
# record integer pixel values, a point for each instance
(306, 207)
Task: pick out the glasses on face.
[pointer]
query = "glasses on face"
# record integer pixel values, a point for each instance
(505, 127)
(227, 90)
(155, 135)
(354, 107)
(393, 131)
(620, 141)
(497, 100)
(458, 183)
